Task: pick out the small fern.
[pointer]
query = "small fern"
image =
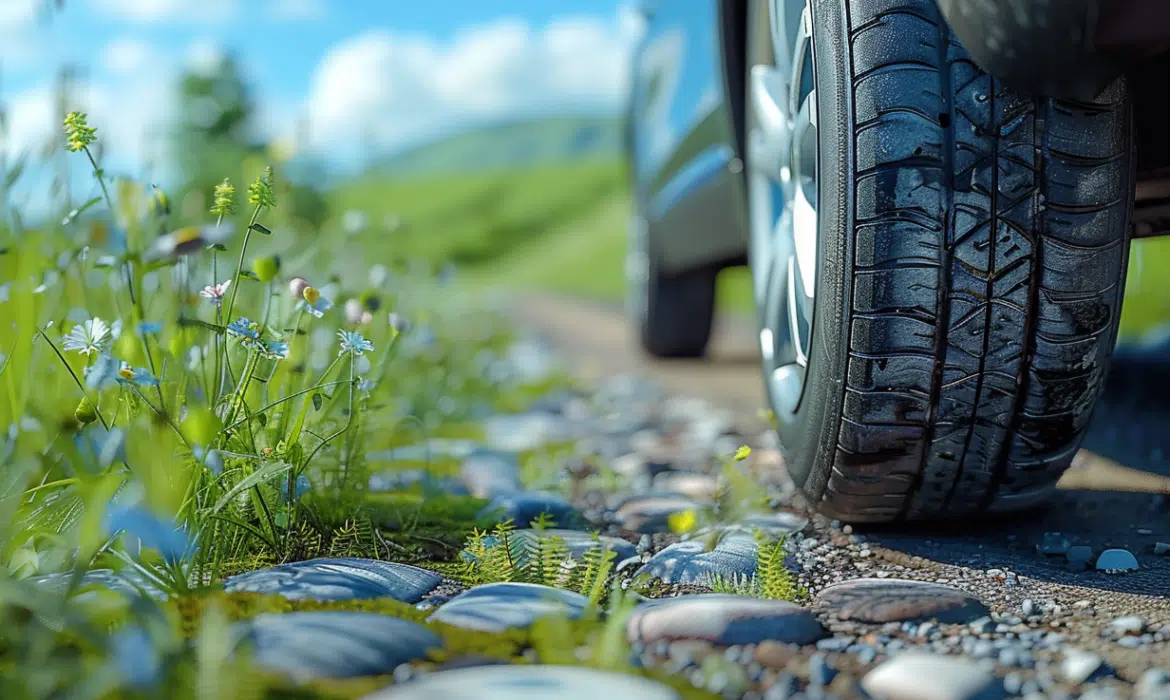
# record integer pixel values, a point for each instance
(771, 580)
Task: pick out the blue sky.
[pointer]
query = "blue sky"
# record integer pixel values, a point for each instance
(364, 75)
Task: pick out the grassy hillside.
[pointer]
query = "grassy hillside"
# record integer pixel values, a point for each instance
(512, 145)
(560, 228)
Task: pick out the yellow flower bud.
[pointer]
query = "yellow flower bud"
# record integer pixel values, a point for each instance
(266, 268)
(742, 453)
(86, 412)
(201, 426)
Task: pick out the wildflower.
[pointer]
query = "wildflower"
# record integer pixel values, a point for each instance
(353, 311)
(260, 192)
(224, 199)
(297, 287)
(247, 331)
(107, 370)
(266, 268)
(313, 302)
(136, 657)
(209, 458)
(185, 241)
(93, 336)
(354, 344)
(149, 328)
(371, 302)
(274, 350)
(85, 413)
(137, 376)
(302, 487)
(379, 275)
(78, 132)
(153, 531)
(214, 292)
(398, 323)
(160, 204)
(682, 522)
(354, 222)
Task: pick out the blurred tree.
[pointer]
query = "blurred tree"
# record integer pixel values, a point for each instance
(215, 137)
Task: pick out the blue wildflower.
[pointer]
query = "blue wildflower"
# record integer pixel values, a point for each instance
(136, 657)
(303, 486)
(210, 459)
(353, 343)
(101, 446)
(149, 328)
(247, 331)
(274, 349)
(318, 307)
(154, 532)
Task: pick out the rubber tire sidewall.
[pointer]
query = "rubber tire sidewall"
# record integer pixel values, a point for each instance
(808, 436)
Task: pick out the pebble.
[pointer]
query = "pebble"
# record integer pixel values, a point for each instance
(1078, 557)
(895, 600)
(1119, 560)
(690, 562)
(527, 682)
(922, 676)
(522, 507)
(345, 578)
(496, 607)
(650, 513)
(723, 620)
(335, 644)
(486, 473)
(1079, 666)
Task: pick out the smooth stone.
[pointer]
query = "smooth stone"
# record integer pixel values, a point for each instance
(335, 644)
(495, 607)
(723, 620)
(1117, 560)
(896, 600)
(486, 473)
(521, 432)
(732, 558)
(522, 507)
(922, 676)
(650, 513)
(527, 682)
(346, 578)
(1079, 666)
(127, 582)
(774, 525)
(694, 485)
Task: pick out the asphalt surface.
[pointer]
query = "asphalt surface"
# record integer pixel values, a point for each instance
(1116, 495)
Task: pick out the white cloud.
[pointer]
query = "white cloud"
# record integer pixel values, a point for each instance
(296, 10)
(204, 56)
(392, 88)
(21, 40)
(125, 56)
(159, 11)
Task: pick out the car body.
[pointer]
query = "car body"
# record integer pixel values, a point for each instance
(1083, 72)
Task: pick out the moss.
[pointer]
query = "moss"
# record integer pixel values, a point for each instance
(553, 640)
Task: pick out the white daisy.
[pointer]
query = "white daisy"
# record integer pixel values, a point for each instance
(214, 292)
(90, 337)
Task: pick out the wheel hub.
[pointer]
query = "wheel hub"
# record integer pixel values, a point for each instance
(782, 181)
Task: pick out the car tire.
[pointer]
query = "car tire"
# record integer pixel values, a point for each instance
(973, 243)
(673, 312)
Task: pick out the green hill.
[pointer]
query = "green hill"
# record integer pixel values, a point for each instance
(511, 145)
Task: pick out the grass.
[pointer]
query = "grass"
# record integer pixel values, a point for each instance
(562, 230)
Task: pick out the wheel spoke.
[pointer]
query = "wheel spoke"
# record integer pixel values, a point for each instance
(771, 135)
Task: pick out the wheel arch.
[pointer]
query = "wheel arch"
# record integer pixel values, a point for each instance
(733, 35)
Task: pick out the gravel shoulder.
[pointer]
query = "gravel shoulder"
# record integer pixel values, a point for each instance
(1048, 578)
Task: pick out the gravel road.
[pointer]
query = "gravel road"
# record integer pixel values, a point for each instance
(1057, 613)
